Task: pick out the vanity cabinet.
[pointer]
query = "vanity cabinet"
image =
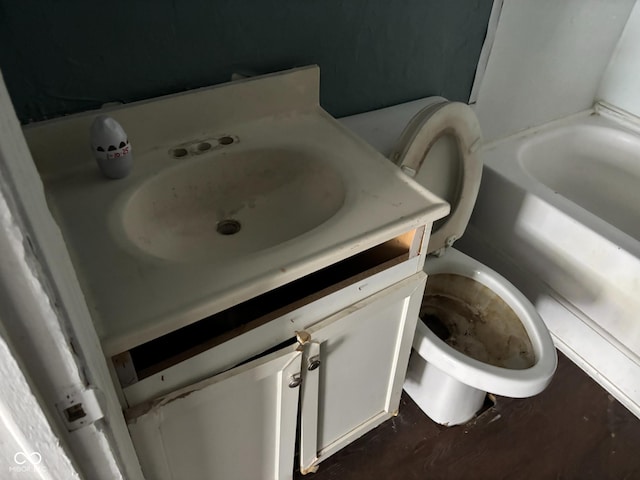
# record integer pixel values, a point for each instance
(346, 379)
(253, 242)
(302, 381)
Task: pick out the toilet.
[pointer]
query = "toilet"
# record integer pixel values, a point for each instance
(476, 333)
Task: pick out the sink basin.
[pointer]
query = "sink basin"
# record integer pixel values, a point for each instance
(219, 206)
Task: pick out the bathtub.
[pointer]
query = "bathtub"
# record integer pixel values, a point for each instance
(558, 214)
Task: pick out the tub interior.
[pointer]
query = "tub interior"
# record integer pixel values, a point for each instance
(596, 167)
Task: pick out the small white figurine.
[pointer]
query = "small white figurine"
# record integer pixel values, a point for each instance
(111, 147)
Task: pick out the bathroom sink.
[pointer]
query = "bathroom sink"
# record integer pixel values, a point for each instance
(223, 205)
(235, 190)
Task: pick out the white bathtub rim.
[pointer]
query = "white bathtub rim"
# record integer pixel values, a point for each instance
(498, 157)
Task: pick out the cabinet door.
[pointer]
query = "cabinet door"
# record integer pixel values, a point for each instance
(354, 368)
(240, 424)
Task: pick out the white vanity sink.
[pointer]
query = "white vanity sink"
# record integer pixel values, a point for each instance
(255, 280)
(236, 189)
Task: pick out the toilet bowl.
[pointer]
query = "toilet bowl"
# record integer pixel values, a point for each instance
(449, 385)
(477, 333)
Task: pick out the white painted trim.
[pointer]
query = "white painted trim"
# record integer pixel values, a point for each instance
(45, 317)
(492, 27)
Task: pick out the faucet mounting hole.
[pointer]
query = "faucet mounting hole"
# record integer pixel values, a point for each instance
(180, 152)
(228, 227)
(226, 140)
(204, 146)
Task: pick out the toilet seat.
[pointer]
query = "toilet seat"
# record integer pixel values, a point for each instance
(447, 385)
(411, 154)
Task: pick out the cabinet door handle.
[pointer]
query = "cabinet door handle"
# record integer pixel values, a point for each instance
(295, 380)
(313, 362)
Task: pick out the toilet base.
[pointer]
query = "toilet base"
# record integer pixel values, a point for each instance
(444, 399)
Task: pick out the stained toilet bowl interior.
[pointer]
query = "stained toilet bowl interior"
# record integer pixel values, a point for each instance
(472, 319)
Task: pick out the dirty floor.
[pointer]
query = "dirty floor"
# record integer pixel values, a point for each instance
(573, 430)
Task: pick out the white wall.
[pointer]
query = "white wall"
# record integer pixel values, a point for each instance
(621, 82)
(547, 61)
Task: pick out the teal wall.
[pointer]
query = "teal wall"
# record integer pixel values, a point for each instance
(60, 57)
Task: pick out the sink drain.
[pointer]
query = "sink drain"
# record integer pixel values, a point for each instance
(228, 227)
